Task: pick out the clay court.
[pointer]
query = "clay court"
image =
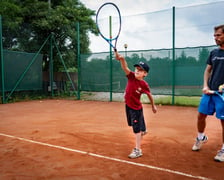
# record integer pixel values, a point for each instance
(88, 140)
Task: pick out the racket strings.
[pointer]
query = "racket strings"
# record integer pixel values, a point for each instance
(107, 29)
(108, 21)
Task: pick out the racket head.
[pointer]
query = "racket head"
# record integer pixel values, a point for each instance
(108, 21)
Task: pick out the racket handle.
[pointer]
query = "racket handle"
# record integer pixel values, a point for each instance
(115, 50)
(211, 92)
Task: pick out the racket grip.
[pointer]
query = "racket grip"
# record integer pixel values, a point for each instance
(115, 50)
(211, 92)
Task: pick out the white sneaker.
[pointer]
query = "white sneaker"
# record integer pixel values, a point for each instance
(135, 153)
(198, 143)
(220, 156)
(144, 132)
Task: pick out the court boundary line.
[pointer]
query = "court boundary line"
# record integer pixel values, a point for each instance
(105, 157)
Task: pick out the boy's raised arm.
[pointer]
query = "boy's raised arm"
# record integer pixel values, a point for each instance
(123, 62)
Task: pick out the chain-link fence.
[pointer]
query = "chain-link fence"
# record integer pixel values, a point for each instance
(185, 74)
(174, 42)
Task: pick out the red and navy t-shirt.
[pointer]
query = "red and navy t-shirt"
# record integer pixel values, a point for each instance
(134, 89)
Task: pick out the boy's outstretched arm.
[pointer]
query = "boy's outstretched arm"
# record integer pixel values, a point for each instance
(154, 108)
(123, 62)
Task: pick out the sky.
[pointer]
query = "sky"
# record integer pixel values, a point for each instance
(154, 19)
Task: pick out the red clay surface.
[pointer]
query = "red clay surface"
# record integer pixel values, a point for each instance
(100, 128)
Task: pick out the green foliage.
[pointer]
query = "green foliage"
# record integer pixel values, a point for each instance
(27, 24)
(203, 55)
(14, 14)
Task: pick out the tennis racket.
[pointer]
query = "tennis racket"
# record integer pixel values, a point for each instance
(108, 21)
(220, 92)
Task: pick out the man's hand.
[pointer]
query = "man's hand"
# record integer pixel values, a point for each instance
(206, 90)
(221, 87)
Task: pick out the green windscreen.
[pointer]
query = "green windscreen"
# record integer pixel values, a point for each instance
(185, 73)
(15, 64)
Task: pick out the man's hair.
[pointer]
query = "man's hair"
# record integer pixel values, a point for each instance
(219, 27)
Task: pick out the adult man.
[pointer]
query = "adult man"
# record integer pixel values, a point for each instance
(211, 103)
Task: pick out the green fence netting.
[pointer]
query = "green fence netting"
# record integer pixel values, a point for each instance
(175, 50)
(188, 67)
(15, 63)
(175, 43)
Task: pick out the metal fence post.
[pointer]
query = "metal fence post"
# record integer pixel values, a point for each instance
(2, 63)
(78, 59)
(111, 63)
(51, 66)
(173, 60)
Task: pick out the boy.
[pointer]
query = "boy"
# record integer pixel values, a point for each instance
(135, 87)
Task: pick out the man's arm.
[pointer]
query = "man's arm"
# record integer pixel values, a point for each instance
(123, 62)
(207, 74)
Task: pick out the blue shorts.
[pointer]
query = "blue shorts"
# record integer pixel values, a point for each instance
(211, 104)
(135, 119)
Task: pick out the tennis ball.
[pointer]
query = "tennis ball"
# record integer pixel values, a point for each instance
(221, 87)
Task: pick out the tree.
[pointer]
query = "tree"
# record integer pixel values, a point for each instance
(27, 24)
(12, 17)
(203, 55)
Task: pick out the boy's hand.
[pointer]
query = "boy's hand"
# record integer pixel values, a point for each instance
(118, 56)
(154, 109)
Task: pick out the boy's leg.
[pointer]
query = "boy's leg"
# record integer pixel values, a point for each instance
(134, 121)
(138, 138)
(142, 123)
(136, 152)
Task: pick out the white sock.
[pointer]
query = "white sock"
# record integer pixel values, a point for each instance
(223, 146)
(200, 136)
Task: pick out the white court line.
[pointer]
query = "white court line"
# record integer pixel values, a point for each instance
(106, 157)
